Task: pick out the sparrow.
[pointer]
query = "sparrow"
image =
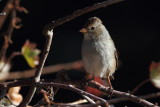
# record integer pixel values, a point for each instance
(99, 54)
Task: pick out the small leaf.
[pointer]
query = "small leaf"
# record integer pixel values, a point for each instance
(30, 53)
(155, 74)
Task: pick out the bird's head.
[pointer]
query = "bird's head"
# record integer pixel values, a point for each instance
(93, 28)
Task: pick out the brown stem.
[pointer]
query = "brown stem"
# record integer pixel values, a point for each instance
(9, 32)
(139, 85)
(46, 70)
(149, 96)
(70, 87)
(78, 13)
(3, 50)
(88, 99)
(124, 96)
(14, 54)
(16, 83)
(48, 32)
(7, 9)
(38, 72)
(10, 27)
(116, 93)
(81, 101)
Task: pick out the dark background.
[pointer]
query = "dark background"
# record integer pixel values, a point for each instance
(133, 25)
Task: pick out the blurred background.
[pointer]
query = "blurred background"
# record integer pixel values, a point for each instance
(132, 24)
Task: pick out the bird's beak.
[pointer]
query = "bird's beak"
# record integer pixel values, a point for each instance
(83, 30)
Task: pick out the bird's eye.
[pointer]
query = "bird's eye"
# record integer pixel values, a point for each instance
(92, 28)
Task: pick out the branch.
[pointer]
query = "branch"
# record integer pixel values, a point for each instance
(88, 99)
(46, 70)
(8, 60)
(78, 13)
(38, 72)
(9, 8)
(124, 96)
(57, 85)
(6, 9)
(139, 85)
(81, 101)
(48, 32)
(80, 92)
(149, 96)
(11, 27)
(3, 50)
(121, 94)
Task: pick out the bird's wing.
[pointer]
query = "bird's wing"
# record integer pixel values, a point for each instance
(116, 58)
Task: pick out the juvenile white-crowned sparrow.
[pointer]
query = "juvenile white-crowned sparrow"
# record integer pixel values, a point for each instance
(99, 54)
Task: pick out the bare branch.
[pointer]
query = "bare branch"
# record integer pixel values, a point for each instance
(6, 9)
(149, 96)
(81, 101)
(80, 92)
(48, 32)
(78, 13)
(139, 85)
(38, 72)
(88, 99)
(121, 94)
(77, 65)
(4, 49)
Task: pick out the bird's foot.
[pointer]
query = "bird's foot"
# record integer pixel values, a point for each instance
(110, 91)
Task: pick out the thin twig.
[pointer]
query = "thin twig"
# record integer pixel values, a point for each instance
(7, 9)
(78, 13)
(48, 32)
(77, 65)
(88, 99)
(121, 94)
(14, 54)
(4, 49)
(149, 96)
(139, 85)
(81, 101)
(70, 87)
(10, 27)
(38, 72)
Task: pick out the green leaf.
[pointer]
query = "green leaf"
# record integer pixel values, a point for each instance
(155, 74)
(30, 53)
